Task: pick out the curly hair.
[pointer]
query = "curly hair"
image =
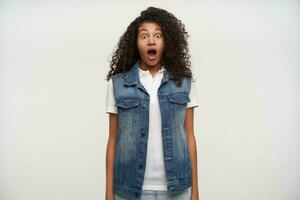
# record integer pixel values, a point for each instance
(175, 58)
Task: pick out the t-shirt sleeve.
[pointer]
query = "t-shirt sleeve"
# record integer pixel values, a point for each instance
(193, 96)
(110, 98)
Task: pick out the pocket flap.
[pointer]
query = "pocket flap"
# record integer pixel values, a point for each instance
(180, 98)
(127, 102)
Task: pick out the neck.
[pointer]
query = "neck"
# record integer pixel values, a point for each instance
(152, 69)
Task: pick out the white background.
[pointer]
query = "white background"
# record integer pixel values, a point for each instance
(54, 58)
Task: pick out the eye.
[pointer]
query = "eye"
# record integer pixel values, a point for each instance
(158, 35)
(144, 36)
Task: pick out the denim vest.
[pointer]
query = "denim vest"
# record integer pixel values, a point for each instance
(132, 101)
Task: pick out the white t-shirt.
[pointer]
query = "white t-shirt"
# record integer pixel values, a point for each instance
(155, 175)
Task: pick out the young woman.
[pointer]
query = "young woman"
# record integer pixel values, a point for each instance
(151, 150)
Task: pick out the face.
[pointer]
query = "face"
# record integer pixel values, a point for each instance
(150, 44)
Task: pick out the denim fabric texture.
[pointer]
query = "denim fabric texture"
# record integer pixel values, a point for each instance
(132, 101)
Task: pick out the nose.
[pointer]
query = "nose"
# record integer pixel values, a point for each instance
(151, 40)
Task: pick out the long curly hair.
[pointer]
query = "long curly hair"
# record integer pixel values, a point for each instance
(175, 58)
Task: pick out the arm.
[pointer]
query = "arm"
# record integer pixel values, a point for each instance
(110, 155)
(189, 127)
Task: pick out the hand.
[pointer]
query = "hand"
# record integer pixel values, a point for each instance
(109, 196)
(194, 195)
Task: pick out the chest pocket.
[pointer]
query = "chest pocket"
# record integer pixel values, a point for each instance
(128, 114)
(127, 102)
(179, 98)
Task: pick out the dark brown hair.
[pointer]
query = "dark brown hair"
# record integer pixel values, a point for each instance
(175, 58)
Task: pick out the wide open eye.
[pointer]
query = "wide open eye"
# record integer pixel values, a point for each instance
(143, 36)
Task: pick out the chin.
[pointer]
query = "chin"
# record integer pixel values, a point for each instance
(152, 63)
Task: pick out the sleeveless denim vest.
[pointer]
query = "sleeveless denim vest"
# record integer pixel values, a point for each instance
(132, 101)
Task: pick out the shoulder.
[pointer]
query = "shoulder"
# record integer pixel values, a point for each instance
(187, 81)
(116, 76)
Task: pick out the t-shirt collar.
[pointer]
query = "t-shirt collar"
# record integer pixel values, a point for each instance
(145, 72)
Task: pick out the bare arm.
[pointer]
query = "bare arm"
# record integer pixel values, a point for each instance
(110, 155)
(189, 127)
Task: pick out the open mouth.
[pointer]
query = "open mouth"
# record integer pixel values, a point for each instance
(151, 53)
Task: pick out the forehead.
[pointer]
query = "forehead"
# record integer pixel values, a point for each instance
(149, 26)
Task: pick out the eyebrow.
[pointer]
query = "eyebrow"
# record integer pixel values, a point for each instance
(147, 30)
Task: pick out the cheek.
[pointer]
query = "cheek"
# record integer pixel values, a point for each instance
(140, 46)
(161, 44)
(162, 47)
(139, 49)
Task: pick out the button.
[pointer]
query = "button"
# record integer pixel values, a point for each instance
(168, 158)
(140, 166)
(143, 134)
